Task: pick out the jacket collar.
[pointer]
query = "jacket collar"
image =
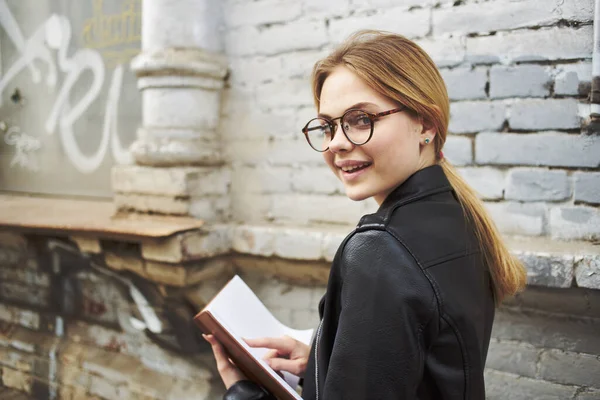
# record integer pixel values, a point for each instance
(423, 183)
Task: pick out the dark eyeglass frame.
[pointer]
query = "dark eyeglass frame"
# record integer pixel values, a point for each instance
(333, 126)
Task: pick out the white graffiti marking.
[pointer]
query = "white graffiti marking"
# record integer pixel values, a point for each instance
(54, 35)
(25, 145)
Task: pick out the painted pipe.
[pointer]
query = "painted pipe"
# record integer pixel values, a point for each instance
(595, 93)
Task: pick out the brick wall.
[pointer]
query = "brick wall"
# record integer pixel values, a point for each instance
(518, 74)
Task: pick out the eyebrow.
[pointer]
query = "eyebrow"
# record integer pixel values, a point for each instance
(354, 106)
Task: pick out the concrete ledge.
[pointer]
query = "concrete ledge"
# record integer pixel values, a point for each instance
(173, 260)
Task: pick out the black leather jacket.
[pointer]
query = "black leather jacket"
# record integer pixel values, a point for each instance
(409, 306)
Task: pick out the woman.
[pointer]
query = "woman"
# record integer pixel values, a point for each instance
(410, 299)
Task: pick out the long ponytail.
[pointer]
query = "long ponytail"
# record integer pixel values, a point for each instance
(507, 272)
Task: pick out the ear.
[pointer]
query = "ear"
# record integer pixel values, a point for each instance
(428, 131)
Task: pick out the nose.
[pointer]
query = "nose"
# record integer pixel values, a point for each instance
(340, 142)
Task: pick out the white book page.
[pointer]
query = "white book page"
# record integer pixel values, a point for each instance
(242, 313)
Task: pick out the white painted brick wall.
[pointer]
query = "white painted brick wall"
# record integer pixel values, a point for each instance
(458, 150)
(528, 184)
(519, 81)
(525, 45)
(518, 218)
(575, 222)
(412, 24)
(465, 83)
(569, 77)
(476, 116)
(546, 148)
(517, 73)
(488, 182)
(538, 114)
(587, 187)
(503, 15)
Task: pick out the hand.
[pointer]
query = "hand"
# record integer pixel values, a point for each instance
(286, 354)
(230, 374)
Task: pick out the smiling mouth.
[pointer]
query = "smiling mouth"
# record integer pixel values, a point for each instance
(355, 168)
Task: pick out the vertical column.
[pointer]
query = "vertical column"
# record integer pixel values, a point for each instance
(180, 75)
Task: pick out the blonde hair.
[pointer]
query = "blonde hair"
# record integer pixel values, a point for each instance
(400, 70)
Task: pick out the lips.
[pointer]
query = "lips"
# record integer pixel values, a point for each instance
(352, 169)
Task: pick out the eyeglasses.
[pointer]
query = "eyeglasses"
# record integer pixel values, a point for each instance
(357, 126)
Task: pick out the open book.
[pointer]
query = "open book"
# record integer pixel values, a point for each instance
(236, 313)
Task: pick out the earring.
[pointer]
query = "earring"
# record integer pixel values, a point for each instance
(426, 140)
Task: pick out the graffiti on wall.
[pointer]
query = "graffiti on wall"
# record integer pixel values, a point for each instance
(25, 148)
(48, 45)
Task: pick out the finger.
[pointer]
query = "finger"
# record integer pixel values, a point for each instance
(283, 344)
(296, 367)
(271, 354)
(230, 374)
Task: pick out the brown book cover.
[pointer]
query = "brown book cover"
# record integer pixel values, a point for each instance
(236, 313)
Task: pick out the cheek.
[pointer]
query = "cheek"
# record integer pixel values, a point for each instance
(328, 157)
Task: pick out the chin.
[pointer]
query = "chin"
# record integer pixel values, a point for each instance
(357, 195)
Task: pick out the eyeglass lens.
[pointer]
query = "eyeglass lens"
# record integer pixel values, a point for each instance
(357, 126)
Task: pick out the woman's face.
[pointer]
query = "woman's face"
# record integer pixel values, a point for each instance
(396, 150)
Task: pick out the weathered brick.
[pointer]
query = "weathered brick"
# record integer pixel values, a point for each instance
(87, 245)
(189, 390)
(573, 79)
(445, 52)
(538, 149)
(277, 294)
(517, 218)
(458, 150)
(507, 15)
(465, 83)
(547, 269)
(298, 244)
(515, 357)
(16, 380)
(576, 222)
(253, 71)
(261, 12)
(476, 116)
(570, 368)
(151, 203)
(123, 262)
(527, 184)
(488, 182)
(498, 384)
(256, 240)
(25, 275)
(331, 243)
(587, 187)
(210, 209)
(304, 209)
(22, 293)
(587, 271)
(306, 179)
(293, 92)
(315, 8)
(538, 114)
(194, 245)
(528, 45)
(411, 24)
(186, 181)
(519, 81)
(379, 4)
(296, 35)
(263, 179)
(588, 394)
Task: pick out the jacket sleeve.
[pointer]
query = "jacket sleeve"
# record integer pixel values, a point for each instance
(247, 390)
(386, 300)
